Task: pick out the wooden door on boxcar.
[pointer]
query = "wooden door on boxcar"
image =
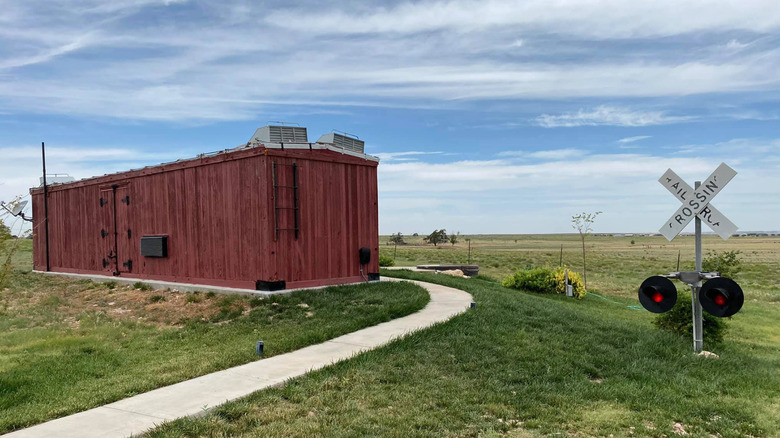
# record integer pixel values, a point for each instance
(124, 233)
(107, 240)
(115, 232)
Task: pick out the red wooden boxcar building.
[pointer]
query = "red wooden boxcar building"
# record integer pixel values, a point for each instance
(267, 216)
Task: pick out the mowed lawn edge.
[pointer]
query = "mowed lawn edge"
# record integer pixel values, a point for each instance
(49, 369)
(519, 364)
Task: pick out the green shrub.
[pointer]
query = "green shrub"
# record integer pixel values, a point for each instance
(727, 263)
(680, 320)
(141, 286)
(545, 281)
(110, 284)
(385, 261)
(194, 298)
(539, 280)
(156, 298)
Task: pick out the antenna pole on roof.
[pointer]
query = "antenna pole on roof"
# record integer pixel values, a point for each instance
(282, 123)
(45, 206)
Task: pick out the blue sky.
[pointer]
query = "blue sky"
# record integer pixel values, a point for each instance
(489, 116)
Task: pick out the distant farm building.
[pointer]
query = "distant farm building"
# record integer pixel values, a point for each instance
(279, 212)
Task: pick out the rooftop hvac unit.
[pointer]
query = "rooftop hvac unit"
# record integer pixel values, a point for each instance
(344, 142)
(280, 134)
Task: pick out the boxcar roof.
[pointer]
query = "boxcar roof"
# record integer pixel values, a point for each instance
(321, 150)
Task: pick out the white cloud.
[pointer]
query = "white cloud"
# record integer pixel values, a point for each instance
(736, 45)
(589, 19)
(227, 67)
(183, 88)
(47, 54)
(753, 115)
(609, 116)
(81, 154)
(558, 154)
(627, 140)
(403, 156)
(550, 154)
(511, 197)
(767, 151)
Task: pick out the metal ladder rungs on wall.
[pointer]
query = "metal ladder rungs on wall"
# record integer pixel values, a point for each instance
(295, 206)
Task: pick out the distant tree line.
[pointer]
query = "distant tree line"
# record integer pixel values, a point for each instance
(440, 236)
(436, 237)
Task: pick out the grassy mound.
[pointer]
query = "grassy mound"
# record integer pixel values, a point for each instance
(523, 364)
(69, 346)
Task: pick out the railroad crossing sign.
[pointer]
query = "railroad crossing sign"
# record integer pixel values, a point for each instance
(697, 203)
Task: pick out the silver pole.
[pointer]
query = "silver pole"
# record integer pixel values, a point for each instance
(697, 316)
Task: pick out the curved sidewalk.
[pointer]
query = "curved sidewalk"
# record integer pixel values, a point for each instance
(138, 414)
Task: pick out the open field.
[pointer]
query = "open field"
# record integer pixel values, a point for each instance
(616, 266)
(525, 365)
(67, 346)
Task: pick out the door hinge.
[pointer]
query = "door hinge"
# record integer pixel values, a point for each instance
(129, 234)
(126, 200)
(128, 264)
(105, 263)
(103, 202)
(103, 233)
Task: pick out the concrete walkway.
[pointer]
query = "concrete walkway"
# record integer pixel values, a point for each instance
(138, 414)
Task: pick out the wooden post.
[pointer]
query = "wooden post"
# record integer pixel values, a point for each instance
(560, 263)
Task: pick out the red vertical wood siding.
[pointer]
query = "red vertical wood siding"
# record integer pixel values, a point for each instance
(218, 214)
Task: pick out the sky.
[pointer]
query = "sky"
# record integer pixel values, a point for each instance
(488, 116)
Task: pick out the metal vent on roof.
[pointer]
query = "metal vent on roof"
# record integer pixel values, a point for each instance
(344, 142)
(280, 134)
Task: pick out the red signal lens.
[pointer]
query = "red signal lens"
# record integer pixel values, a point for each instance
(721, 297)
(657, 294)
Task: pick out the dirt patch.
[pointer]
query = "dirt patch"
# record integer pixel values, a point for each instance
(454, 273)
(67, 301)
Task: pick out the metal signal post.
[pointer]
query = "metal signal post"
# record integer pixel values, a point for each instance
(698, 325)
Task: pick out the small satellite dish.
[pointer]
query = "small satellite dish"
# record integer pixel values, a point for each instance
(18, 208)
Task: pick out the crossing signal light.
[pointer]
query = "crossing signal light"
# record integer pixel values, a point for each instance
(721, 297)
(657, 294)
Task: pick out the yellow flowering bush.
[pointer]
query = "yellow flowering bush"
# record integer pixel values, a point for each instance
(545, 280)
(578, 287)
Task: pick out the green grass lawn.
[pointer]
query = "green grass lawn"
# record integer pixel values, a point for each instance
(519, 365)
(523, 365)
(67, 346)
